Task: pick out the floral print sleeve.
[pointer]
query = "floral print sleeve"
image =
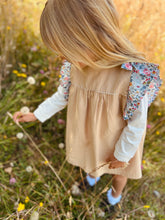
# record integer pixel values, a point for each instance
(65, 81)
(145, 78)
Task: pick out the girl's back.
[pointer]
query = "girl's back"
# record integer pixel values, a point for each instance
(108, 99)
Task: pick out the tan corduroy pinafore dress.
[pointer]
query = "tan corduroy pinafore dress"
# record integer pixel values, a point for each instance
(96, 103)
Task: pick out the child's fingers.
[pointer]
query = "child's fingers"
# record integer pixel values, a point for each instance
(116, 165)
(16, 114)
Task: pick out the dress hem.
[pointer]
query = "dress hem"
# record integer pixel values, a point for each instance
(102, 173)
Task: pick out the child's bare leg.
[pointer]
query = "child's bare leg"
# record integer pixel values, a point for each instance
(118, 183)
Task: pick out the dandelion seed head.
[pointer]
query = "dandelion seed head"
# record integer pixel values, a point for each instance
(29, 169)
(25, 110)
(31, 80)
(19, 135)
(61, 145)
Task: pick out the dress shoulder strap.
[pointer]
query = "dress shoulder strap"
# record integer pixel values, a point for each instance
(65, 81)
(145, 78)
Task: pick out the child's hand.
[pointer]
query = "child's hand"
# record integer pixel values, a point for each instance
(20, 117)
(114, 163)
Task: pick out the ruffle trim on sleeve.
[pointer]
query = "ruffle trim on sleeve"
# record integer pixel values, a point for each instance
(145, 78)
(65, 78)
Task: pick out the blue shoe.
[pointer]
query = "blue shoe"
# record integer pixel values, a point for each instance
(88, 182)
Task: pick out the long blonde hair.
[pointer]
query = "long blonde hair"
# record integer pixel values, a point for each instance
(75, 29)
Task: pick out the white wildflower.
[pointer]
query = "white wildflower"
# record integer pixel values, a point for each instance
(61, 145)
(29, 169)
(31, 80)
(9, 65)
(34, 216)
(151, 213)
(19, 135)
(69, 215)
(8, 170)
(25, 110)
(75, 189)
(34, 48)
(100, 213)
(156, 103)
(11, 164)
(156, 193)
(23, 70)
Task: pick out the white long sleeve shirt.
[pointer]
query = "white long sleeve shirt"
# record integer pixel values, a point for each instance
(130, 137)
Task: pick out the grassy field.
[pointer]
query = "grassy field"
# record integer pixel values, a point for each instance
(36, 182)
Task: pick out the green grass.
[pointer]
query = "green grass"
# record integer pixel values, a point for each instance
(42, 185)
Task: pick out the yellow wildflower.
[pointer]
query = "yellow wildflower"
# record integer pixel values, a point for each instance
(159, 113)
(59, 76)
(8, 27)
(157, 132)
(27, 199)
(146, 206)
(15, 71)
(41, 204)
(21, 207)
(46, 162)
(143, 161)
(18, 74)
(23, 65)
(43, 83)
(23, 75)
(156, 54)
(162, 99)
(4, 136)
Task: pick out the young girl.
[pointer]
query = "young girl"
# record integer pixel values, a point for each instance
(108, 86)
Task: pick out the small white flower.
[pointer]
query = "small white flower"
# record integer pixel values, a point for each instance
(69, 215)
(34, 216)
(11, 164)
(29, 169)
(34, 48)
(75, 189)
(8, 170)
(61, 145)
(31, 80)
(9, 65)
(156, 103)
(19, 135)
(23, 70)
(25, 110)
(100, 213)
(151, 213)
(156, 193)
